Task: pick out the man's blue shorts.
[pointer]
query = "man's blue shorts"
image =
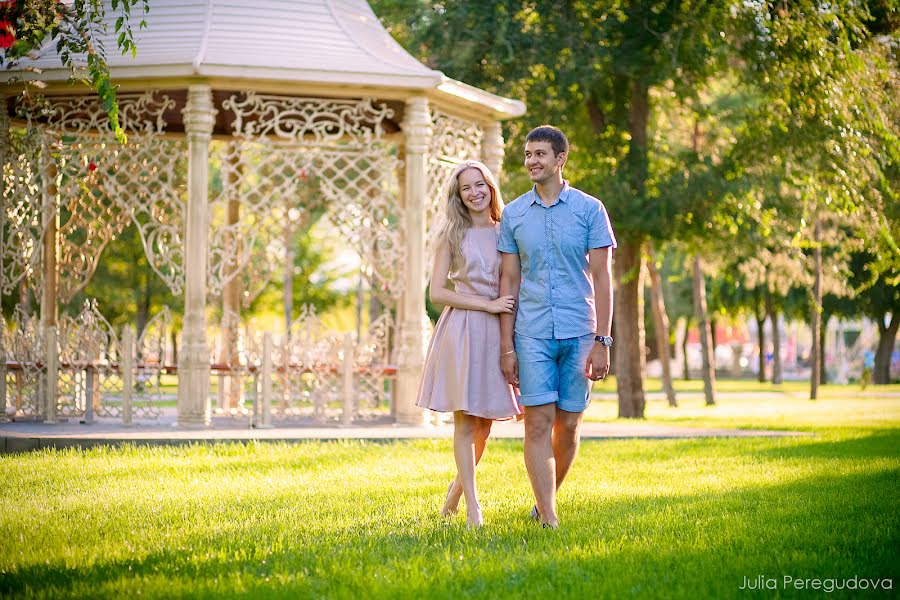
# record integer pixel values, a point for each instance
(552, 371)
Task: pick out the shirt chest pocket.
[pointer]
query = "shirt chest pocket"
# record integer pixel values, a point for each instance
(575, 231)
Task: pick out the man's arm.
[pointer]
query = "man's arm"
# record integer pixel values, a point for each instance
(600, 261)
(510, 280)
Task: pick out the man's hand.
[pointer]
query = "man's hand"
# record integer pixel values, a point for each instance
(509, 365)
(597, 365)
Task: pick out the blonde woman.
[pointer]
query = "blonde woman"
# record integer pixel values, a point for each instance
(462, 370)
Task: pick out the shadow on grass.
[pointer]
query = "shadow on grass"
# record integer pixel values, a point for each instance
(667, 546)
(883, 443)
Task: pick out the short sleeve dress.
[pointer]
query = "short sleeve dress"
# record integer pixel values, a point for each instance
(462, 369)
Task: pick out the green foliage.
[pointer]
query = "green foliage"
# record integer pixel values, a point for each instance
(78, 28)
(127, 289)
(314, 279)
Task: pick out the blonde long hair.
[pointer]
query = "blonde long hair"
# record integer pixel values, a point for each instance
(453, 219)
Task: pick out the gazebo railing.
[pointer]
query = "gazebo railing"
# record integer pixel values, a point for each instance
(307, 375)
(96, 373)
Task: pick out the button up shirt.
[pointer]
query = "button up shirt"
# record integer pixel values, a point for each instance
(556, 296)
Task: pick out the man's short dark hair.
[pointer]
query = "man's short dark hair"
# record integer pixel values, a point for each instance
(548, 133)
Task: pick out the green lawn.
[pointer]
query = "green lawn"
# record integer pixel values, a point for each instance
(640, 518)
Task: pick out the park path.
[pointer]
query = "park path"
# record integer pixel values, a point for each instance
(25, 436)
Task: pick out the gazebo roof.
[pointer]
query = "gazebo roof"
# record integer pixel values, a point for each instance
(318, 42)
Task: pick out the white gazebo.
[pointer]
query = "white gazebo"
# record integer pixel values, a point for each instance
(266, 96)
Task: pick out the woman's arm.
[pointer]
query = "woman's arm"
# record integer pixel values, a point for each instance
(440, 294)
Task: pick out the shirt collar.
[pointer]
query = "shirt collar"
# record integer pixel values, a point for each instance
(563, 194)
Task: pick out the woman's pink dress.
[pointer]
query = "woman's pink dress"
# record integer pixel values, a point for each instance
(462, 369)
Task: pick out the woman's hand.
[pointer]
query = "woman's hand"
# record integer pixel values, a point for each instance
(503, 304)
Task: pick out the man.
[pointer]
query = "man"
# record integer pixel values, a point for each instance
(556, 244)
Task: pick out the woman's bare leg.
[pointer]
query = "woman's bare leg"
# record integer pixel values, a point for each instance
(455, 491)
(467, 429)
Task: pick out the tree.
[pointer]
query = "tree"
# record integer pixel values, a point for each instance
(878, 299)
(78, 28)
(593, 66)
(823, 127)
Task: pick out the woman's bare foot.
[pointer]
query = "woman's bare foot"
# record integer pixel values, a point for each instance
(451, 502)
(474, 520)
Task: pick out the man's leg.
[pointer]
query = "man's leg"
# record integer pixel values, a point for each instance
(574, 398)
(566, 438)
(539, 460)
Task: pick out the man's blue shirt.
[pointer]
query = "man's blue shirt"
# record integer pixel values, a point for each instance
(556, 297)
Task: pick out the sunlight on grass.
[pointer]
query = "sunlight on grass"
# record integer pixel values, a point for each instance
(756, 408)
(653, 518)
(645, 518)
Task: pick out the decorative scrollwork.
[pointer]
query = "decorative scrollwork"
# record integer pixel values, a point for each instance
(266, 199)
(88, 368)
(23, 344)
(150, 356)
(21, 216)
(325, 121)
(102, 187)
(81, 115)
(372, 357)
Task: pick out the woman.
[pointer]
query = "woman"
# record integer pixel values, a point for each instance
(462, 370)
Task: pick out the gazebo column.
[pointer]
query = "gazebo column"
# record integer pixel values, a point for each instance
(49, 308)
(492, 148)
(193, 363)
(411, 356)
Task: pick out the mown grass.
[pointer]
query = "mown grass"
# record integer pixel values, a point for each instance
(640, 518)
(759, 409)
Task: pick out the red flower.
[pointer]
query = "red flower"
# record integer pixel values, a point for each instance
(92, 166)
(7, 39)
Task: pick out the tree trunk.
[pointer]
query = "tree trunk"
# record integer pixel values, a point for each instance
(687, 329)
(709, 374)
(886, 336)
(823, 330)
(815, 320)
(776, 339)
(777, 368)
(174, 337)
(629, 320)
(761, 335)
(661, 319)
(629, 293)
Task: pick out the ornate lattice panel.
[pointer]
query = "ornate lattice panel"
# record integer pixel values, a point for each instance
(150, 356)
(88, 365)
(22, 346)
(21, 219)
(104, 186)
(307, 378)
(263, 197)
(297, 157)
(236, 358)
(453, 141)
(372, 385)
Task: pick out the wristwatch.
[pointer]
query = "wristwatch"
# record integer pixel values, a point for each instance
(604, 339)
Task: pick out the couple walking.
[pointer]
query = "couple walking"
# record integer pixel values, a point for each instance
(528, 309)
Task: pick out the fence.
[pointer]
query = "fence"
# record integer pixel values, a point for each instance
(82, 369)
